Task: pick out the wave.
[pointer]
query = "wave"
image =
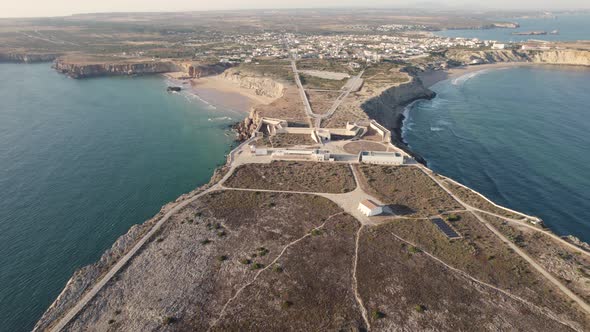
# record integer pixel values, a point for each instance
(436, 129)
(194, 96)
(221, 118)
(407, 123)
(464, 78)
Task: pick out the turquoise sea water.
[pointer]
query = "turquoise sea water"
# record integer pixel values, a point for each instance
(571, 27)
(80, 162)
(520, 136)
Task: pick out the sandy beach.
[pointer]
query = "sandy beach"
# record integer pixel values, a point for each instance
(221, 92)
(429, 78)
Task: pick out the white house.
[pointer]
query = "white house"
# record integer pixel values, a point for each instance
(498, 46)
(370, 208)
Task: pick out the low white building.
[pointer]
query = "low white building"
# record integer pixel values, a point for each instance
(498, 46)
(381, 158)
(370, 208)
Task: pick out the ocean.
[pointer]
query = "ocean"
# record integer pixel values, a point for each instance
(81, 161)
(571, 27)
(520, 136)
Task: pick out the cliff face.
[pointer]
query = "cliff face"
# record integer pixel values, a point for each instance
(262, 86)
(388, 107)
(26, 58)
(558, 57)
(89, 69)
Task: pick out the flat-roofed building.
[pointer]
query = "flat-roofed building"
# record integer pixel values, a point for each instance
(370, 208)
(381, 158)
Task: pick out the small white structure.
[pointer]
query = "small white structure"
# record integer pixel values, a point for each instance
(498, 46)
(370, 208)
(321, 155)
(381, 158)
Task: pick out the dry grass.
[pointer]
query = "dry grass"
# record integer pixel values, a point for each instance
(289, 107)
(567, 265)
(181, 275)
(312, 291)
(321, 101)
(294, 176)
(287, 140)
(314, 82)
(356, 147)
(395, 280)
(475, 200)
(407, 189)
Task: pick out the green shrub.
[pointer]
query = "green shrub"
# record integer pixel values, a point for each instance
(420, 308)
(414, 250)
(286, 304)
(168, 320)
(222, 258)
(316, 232)
(453, 217)
(257, 266)
(205, 241)
(376, 314)
(221, 233)
(245, 261)
(277, 268)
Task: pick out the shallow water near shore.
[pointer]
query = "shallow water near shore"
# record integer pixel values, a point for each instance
(81, 161)
(520, 136)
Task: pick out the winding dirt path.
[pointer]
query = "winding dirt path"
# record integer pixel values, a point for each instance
(241, 289)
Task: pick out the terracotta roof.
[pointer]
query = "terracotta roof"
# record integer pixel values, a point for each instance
(370, 204)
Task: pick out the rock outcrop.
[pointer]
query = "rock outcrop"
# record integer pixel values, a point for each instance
(89, 68)
(27, 57)
(557, 57)
(262, 86)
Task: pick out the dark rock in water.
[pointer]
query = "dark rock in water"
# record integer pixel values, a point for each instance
(173, 89)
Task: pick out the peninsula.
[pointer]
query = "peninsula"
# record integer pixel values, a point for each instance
(321, 218)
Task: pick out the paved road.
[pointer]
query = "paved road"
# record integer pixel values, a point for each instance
(513, 246)
(352, 84)
(302, 94)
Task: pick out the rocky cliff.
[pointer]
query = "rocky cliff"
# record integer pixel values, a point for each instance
(89, 68)
(388, 107)
(557, 57)
(262, 86)
(27, 57)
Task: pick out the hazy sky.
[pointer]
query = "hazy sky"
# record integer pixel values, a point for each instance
(27, 8)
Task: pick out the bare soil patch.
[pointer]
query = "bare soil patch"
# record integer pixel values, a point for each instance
(294, 176)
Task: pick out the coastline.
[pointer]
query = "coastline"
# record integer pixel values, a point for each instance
(219, 92)
(430, 78)
(231, 90)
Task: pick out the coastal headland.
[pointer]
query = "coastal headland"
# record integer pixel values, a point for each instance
(321, 218)
(276, 224)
